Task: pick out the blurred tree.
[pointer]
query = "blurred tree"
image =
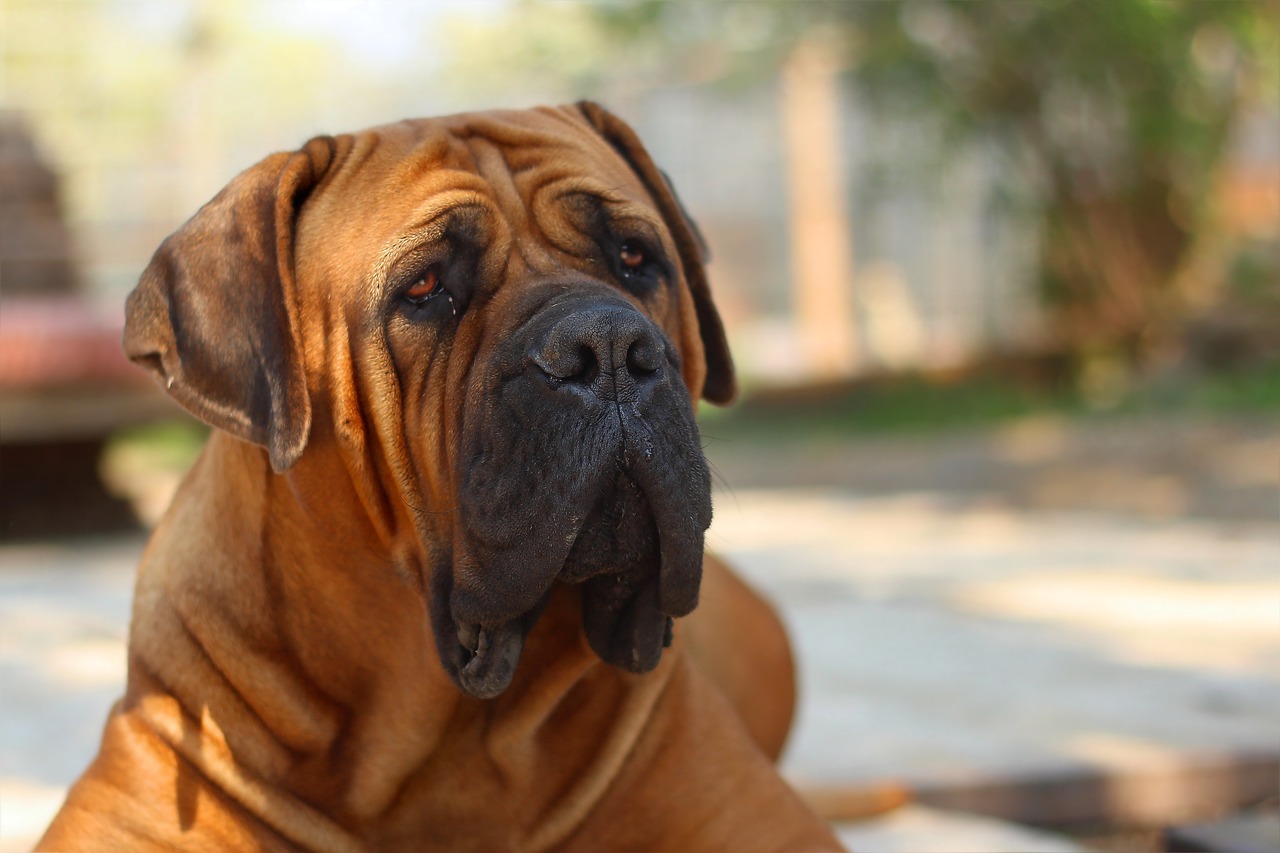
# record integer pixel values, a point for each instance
(1119, 114)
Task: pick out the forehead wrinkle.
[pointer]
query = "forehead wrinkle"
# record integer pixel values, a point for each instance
(539, 128)
(353, 167)
(437, 150)
(505, 179)
(619, 200)
(496, 172)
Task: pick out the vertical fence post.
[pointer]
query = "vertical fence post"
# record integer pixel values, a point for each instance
(821, 236)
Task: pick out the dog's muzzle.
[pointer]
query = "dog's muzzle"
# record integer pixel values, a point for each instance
(582, 465)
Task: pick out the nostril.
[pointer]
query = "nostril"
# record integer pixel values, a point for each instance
(643, 358)
(588, 366)
(568, 364)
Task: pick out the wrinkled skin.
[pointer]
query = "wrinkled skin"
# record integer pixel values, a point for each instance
(417, 590)
(501, 418)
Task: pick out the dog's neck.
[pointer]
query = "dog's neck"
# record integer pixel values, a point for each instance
(322, 654)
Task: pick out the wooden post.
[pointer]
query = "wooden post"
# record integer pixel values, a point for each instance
(821, 238)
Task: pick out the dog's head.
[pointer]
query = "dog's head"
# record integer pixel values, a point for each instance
(499, 323)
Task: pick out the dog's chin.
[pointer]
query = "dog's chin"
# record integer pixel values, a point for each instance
(617, 562)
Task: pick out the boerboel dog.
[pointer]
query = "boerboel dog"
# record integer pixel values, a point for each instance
(416, 591)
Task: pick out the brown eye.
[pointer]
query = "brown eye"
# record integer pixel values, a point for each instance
(631, 255)
(425, 287)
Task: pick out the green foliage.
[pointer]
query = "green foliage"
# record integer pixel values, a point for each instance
(165, 445)
(1117, 116)
(906, 405)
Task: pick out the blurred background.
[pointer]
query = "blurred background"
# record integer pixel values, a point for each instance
(1002, 280)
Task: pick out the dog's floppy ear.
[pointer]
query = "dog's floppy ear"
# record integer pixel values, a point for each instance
(215, 316)
(720, 385)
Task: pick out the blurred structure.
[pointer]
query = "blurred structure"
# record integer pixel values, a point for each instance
(64, 383)
(822, 265)
(36, 253)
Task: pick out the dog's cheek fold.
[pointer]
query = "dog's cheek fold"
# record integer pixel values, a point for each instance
(518, 505)
(680, 482)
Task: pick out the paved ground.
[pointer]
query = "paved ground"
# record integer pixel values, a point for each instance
(1022, 662)
(960, 648)
(64, 611)
(1153, 467)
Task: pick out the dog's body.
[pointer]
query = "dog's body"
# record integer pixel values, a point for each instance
(442, 625)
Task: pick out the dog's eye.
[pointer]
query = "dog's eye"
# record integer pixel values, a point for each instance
(632, 255)
(638, 264)
(427, 287)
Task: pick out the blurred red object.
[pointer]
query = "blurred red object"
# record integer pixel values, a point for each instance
(49, 342)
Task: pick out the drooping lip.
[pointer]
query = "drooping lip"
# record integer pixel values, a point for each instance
(480, 657)
(627, 610)
(489, 655)
(622, 616)
(623, 622)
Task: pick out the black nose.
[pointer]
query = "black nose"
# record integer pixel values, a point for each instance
(610, 352)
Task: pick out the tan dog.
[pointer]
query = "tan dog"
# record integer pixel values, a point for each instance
(415, 593)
